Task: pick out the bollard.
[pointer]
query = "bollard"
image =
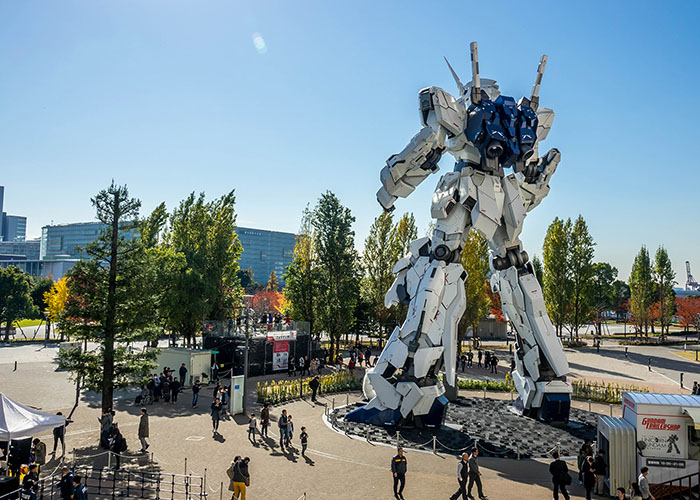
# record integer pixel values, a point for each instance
(333, 404)
(435, 444)
(205, 480)
(611, 409)
(518, 451)
(484, 392)
(73, 456)
(511, 395)
(15, 364)
(221, 491)
(397, 439)
(185, 466)
(681, 380)
(109, 459)
(558, 448)
(367, 434)
(347, 399)
(589, 405)
(345, 426)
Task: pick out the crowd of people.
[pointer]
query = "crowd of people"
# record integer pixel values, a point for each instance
(484, 359)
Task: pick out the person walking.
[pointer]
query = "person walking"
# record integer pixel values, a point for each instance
(368, 355)
(494, 363)
(644, 484)
(470, 359)
(59, 434)
(241, 478)
(175, 390)
(314, 384)
(474, 474)
(304, 437)
(264, 420)
(215, 415)
(39, 452)
(588, 476)
(560, 476)
(117, 445)
(479, 356)
(143, 430)
(252, 425)
(282, 424)
(586, 450)
(195, 395)
(600, 468)
(462, 476)
(398, 469)
(290, 431)
(183, 375)
(66, 484)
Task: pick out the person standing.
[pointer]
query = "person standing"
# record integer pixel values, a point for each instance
(474, 474)
(560, 476)
(600, 468)
(291, 367)
(304, 437)
(79, 491)
(588, 476)
(195, 395)
(470, 358)
(183, 375)
(462, 475)
(241, 478)
(217, 391)
(31, 475)
(143, 429)
(494, 363)
(585, 451)
(314, 384)
(479, 356)
(282, 424)
(215, 415)
(59, 434)
(264, 420)
(39, 452)
(644, 484)
(398, 469)
(175, 389)
(117, 444)
(290, 431)
(29, 490)
(66, 484)
(694, 392)
(368, 355)
(252, 425)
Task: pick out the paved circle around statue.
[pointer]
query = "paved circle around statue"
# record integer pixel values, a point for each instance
(498, 431)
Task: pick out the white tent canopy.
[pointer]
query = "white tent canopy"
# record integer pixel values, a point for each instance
(18, 421)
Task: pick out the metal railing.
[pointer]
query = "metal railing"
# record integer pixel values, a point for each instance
(115, 483)
(683, 488)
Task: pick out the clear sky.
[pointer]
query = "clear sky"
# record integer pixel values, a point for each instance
(283, 100)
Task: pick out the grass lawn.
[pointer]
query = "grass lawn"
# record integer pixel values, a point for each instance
(29, 322)
(687, 355)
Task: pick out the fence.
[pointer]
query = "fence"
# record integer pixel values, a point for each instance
(684, 488)
(114, 483)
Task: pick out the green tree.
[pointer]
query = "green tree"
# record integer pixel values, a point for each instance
(664, 276)
(378, 259)
(641, 285)
(475, 260)
(15, 297)
(272, 284)
(404, 232)
(337, 266)
(621, 292)
(556, 282)
(110, 300)
(538, 268)
(302, 277)
(580, 264)
(603, 290)
(208, 288)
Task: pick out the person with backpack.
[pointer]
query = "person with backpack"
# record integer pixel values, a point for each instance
(560, 476)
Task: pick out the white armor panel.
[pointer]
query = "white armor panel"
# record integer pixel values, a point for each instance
(448, 112)
(424, 359)
(411, 395)
(513, 209)
(430, 394)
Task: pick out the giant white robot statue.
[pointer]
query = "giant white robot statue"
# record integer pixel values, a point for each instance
(486, 133)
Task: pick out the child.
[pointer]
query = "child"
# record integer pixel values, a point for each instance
(304, 439)
(290, 431)
(252, 425)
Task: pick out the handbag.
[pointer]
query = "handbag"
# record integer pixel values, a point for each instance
(247, 481)
(567, 479)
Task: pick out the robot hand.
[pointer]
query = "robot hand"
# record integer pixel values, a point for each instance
(539, 173)
(386, 200)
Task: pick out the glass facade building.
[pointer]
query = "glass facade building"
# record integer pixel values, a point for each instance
(28, 249)
(266, 251)
(64, 240)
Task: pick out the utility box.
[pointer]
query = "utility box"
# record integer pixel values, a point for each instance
(197, 362)
(237, 395)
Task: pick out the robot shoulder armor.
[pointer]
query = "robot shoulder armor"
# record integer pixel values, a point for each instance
(435, 104)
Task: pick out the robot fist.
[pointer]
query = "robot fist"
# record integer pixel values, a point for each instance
(540, 172)
(385, 199)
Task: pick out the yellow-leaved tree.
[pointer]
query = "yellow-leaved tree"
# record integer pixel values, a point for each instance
(56, 299)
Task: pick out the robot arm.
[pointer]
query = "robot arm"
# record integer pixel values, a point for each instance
(442, 116)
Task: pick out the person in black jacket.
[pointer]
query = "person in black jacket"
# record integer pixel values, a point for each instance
(398, 469)
(474, 475)
(80, 491)
(462, 476)
(183, 375)
(241, 478)
(59, 434)
(314, 384)
(174, 390)
(560, 476)
(600, 468)
(66, 484)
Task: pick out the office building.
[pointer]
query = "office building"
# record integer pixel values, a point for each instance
(12, 227)
(68, 241)
(28, 249)
(54, 269)
(266, 251)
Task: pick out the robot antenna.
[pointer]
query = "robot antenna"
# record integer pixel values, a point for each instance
(535, 99)
(454, 75)
(476, 80)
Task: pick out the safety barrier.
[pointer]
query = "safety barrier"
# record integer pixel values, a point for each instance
(684, 488)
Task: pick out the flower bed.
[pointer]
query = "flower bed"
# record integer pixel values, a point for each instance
(274, 392)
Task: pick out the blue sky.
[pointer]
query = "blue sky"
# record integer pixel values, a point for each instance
(174, 96)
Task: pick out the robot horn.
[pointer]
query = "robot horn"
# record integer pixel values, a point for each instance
(454, 75)
(535, 99)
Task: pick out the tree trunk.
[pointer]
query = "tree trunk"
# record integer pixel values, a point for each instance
(110, 320)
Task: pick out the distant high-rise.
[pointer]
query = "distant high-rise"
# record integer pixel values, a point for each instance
(12, 227)
(266, 251)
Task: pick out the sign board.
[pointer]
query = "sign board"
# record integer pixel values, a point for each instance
(280, 355)
(657, 462)
(663, 436)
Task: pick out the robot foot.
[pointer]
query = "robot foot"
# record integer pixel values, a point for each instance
(374, 416)
(555, 407)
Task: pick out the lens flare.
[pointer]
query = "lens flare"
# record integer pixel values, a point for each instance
(259, 43)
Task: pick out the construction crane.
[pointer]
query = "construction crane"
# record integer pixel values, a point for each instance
(690, 284)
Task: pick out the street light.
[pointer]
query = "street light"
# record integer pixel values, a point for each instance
(245, 359)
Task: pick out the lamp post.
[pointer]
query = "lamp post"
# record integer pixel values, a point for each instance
(245, 354)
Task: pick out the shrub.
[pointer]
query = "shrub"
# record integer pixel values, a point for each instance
(274, 392)
(602, 392)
